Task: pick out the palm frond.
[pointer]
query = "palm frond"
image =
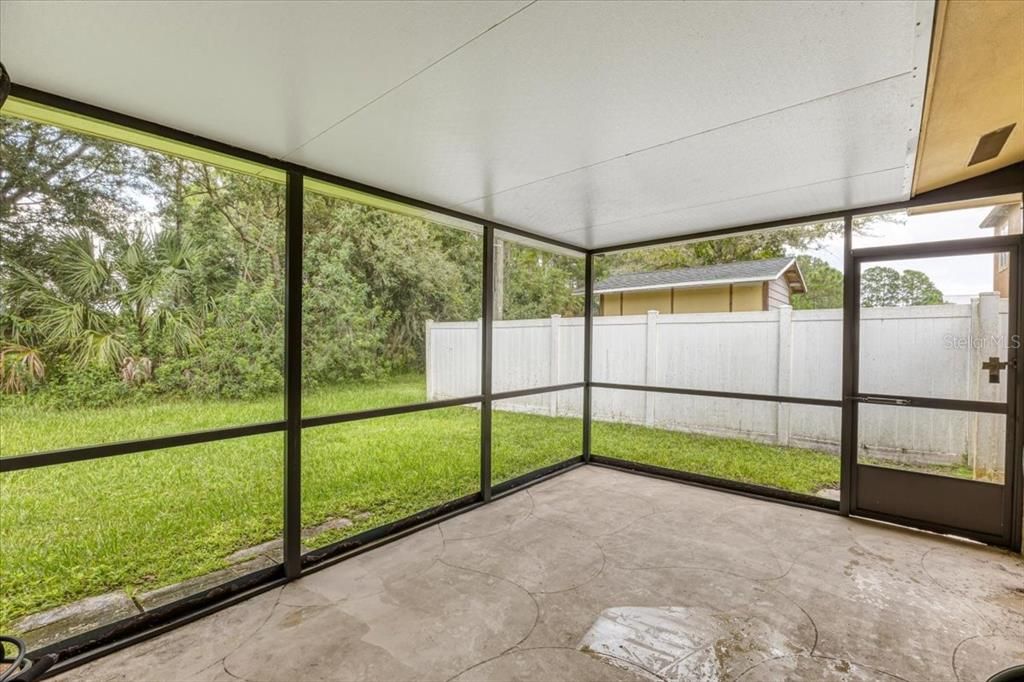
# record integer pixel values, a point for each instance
(20, 367)
(101, 348)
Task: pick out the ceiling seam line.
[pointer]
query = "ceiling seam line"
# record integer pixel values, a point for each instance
(685, 137)
(725, 201)
(407, 80)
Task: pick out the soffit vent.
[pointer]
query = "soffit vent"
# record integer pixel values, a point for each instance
(990, 144)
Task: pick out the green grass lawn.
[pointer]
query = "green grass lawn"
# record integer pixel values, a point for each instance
(137, 522)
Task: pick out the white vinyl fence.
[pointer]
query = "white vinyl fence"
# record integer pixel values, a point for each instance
(933, 351)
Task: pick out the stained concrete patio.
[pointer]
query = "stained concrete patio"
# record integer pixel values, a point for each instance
(604, 575)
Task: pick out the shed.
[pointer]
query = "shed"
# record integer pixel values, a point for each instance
(727, 287)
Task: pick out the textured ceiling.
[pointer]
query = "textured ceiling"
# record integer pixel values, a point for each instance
(594, 123)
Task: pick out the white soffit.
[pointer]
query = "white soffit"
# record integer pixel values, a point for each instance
(597, 123)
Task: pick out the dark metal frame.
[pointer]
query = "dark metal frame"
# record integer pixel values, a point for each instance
(85, 647)
(77, 650)
(918, 489)
(1005, 181)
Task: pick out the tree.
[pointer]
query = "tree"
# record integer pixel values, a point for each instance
(54, 180)
(539, 283)
(880, 287)
(887, 287)
(824, 285)
(770, 244)
(918, 289)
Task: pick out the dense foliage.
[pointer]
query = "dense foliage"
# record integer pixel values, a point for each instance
(126, 273)
(884, 287)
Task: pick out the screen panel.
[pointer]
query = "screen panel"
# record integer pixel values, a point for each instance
(748, 313)
(794, 448)
(391, 307)
(532, 432)
(143, 292)
(538, 315)
(363, 474)
(122, 535)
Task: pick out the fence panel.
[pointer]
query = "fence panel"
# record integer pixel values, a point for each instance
(784, 351)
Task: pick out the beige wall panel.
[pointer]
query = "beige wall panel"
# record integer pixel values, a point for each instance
(703, 300)
(747, 297)
(639, 302)
(610, 304)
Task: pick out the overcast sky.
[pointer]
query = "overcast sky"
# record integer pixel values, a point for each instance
(956, 276)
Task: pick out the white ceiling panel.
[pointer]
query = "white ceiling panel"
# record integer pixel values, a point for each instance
(820, 197)
(596, 122)
(836, 137)
(267, 76)
(563, 85)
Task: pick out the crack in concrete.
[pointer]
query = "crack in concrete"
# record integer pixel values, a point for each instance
(536, 613)
(995, 628)
(270, 614)
(823, 658)
(952, 660)
(512, 525)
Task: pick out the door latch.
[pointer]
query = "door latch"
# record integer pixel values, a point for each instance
(994, 366)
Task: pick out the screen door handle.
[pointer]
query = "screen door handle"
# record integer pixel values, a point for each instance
(882, 400)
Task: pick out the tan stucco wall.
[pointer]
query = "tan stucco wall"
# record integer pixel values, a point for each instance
(747, 297)
(610, 304)
(639, 302)
(704, 300)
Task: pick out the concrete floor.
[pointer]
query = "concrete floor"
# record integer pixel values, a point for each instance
(600, 575)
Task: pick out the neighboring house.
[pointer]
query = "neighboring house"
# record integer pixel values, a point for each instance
(730, 287)
(1003, 219)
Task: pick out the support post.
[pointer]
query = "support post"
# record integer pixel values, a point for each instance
(553, 362)
(486, 347)
(588, 348)
(785, 369)
(651, 367)
(428, 359)
(293, 376)
(851, 327)
(1015, 401)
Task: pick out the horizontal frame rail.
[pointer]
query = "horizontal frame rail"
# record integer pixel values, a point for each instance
(536, 476)
(85, 453)
(714, 483)
(19, 462)
(1001, 182)
(764, 397)
(948, 247)
(519, 393)
(374, 413)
